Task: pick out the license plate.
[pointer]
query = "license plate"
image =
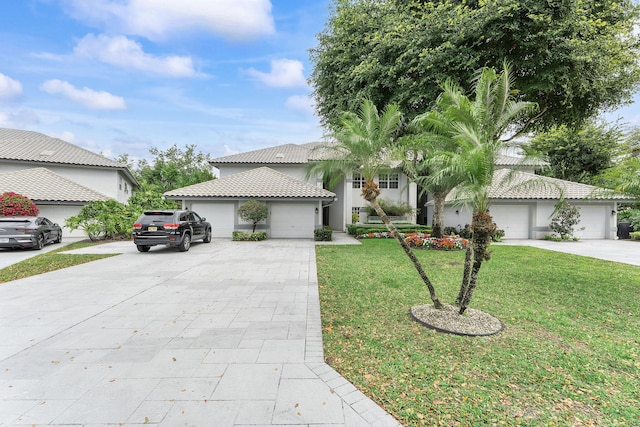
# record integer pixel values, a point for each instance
(4, 240)
(153, 228)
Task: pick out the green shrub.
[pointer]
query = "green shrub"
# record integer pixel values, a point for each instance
(14, 204)
(105, 220)
(390, 208)
(635, 235)
(358, 229)
(245, 236)
(324, 234)
(497, 237)
(631, 216)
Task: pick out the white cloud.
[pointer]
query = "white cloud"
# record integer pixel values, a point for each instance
(127, 53)
(162, 19)
(284, 73)
(9, 88)
(302, 103)
(88, 97)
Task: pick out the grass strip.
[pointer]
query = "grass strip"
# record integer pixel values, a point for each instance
(49, 261)
(569, 355)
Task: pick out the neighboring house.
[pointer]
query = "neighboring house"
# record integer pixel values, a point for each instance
(22, 150)
(522, 205)
(295, 206)
(57, 197)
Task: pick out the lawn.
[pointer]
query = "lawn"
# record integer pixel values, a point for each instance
(49, 261)
(569, 354)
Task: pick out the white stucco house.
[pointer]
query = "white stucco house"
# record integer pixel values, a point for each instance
(58, 176)
(277, 175)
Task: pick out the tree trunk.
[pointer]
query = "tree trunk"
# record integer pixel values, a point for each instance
(468, 262)
(437, 223)
(483, 230)
(370, 193)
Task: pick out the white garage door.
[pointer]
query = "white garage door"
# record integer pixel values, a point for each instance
(219, 214)
(513, 219)
(292, 220)
(593, 219)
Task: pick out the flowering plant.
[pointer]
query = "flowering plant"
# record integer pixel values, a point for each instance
(423, 240)
(14, 204)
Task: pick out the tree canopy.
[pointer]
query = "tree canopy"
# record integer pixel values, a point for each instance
(578, 155)
(574, 58)
(172, 168)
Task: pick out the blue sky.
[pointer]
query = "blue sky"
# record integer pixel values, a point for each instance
(122, 76)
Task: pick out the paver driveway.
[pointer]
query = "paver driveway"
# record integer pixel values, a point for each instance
(227, 334)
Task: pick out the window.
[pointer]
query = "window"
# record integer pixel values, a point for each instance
(388, 180)
(358, 180)
(126, 187)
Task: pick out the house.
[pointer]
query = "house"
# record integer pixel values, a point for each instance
(295, 206)
(60, 177)
(522, 205)
(262, 174)
(293, 159)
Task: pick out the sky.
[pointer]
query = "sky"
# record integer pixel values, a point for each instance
(122, 76)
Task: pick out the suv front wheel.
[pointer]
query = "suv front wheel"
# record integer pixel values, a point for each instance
(207, 236)
(185, 244)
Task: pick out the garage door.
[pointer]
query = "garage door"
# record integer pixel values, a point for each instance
(513, 219)
(594, 221)
(219, 214)
(292, 220)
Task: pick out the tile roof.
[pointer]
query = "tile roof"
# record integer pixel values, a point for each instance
(32, 146)
(516, 185)
(41, 184)
(288, 153)
(504, 160)
(263, 182)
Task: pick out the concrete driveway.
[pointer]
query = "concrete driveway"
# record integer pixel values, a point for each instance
(624, 251)
(227, 334)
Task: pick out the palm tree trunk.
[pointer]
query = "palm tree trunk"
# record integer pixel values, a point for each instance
(371, 195)
(483, 229)
(437, 223)
(468, 262)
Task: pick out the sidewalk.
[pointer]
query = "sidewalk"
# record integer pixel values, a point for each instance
(227, 334)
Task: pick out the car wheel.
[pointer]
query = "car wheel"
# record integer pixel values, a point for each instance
(39, 242)
(185, 244)
(143, 248)
(58, 239)
(207, 236)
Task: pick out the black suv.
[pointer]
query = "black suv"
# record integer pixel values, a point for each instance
(171, 228)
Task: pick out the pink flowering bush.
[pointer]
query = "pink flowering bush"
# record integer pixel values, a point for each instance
(424, 241)
(14, 204)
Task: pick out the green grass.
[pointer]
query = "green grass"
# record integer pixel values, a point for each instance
(49, 261)
(569, 354)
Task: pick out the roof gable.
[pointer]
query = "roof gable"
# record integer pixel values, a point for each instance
(41, 184)
(262, 183)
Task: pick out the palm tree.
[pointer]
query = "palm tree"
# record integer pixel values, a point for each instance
(477, 126)
(421, 153)
(363, 144)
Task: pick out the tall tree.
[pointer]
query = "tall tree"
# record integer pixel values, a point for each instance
(575, 58)
(578, 154)
(363, 145)
(175, 168)
(478, 127)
